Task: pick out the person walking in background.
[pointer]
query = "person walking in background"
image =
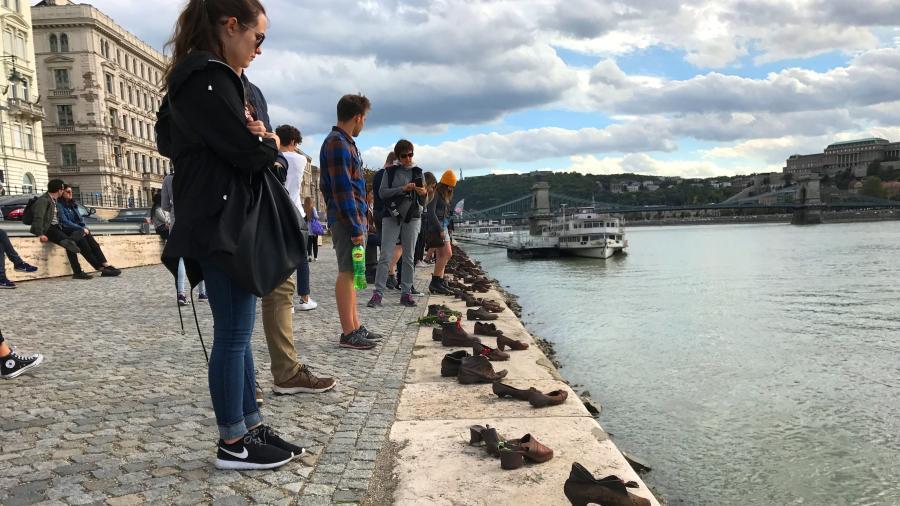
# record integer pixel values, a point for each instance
(403, 191)
(436, 221)
(167, 204)
(315, 227)
(7, 251)
(159, 219)
(430, 182)
(72, 223)
(205, 127)
(343, 185)
(13, 364)
(290, 140)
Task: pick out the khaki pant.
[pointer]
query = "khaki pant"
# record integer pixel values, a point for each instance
(278, 325)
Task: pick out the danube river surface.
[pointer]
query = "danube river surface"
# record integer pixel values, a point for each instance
(748, 364)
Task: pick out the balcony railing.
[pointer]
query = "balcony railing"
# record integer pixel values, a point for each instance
(62, 92)
(61, 129)
(68, 169)
(23, 108)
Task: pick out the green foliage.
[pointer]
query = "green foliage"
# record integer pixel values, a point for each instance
(872, 187)
(482, 192)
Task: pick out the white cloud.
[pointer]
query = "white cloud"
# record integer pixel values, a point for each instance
(640, 163)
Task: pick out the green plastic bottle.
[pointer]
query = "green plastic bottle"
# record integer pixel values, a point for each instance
(359, 266)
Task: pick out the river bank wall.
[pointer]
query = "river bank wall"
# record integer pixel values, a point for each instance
(433, 462)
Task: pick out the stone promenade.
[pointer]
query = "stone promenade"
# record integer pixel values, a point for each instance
(119, 413)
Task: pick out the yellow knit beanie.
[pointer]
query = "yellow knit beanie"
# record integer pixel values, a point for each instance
(449, 178)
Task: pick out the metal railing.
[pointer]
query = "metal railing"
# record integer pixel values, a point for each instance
(17, 229)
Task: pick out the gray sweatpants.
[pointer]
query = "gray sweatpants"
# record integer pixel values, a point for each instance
(407, 233)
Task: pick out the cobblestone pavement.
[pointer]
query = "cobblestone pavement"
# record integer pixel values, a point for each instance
(119, 413)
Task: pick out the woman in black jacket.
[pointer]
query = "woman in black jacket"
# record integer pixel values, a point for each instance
(207, 128)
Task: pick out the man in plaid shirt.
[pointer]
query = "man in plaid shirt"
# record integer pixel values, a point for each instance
(344, 188)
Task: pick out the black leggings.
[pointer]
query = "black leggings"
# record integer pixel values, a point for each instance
(312, 246)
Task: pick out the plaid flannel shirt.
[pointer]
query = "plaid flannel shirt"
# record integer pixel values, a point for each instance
(342, 182)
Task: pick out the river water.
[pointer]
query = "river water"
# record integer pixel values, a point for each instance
(747, 364)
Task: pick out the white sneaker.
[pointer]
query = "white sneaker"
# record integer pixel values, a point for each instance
(308, 305)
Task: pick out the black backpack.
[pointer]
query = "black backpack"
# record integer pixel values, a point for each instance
(28, 213)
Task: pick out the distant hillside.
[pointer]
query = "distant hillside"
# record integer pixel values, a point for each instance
(486, 191)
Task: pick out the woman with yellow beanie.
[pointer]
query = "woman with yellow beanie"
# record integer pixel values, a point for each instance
(435, 221)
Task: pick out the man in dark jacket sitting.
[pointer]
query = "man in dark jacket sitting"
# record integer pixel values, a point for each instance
(73, 223)
(46, 225)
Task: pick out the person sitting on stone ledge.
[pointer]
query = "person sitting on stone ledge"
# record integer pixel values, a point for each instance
(72, 223)
(46, 226)
(13, 364)
(6, 248)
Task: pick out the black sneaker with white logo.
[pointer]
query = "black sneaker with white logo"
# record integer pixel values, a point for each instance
(268, 436)
(15, 364)
(251, 453)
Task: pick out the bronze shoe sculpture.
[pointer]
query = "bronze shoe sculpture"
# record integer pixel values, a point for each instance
(492, 354)
(504, 390)
(503, 342)
(489, 329)
(479, 314)
(438, 335)
(542, 400)
(478, 370)
(489, 435)
(514, 453)
(582, 489)
(453, 335)
(451, 362)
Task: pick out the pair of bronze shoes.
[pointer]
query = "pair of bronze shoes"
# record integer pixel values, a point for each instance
(480, 314)
(534, 396)
(451, 334)
(490, 329)
(513, 452)
(582, 489)
(468, 369)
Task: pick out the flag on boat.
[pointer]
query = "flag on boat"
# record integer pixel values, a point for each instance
(459, 206)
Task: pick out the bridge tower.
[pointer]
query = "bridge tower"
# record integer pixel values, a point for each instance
(541, 215)
(808, 198)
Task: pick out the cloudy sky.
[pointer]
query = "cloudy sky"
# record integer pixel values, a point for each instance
(692, 88)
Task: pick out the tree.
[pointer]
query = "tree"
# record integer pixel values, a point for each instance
(872, 187)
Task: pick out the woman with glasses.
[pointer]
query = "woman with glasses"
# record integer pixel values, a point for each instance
(208, 129)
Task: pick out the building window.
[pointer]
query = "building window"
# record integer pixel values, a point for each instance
(62, 79)
(133, 126)
(20, 45)
(121, 90)
(117, 153)
(29, 138)
(110, 88)
(64, 43)
(144, 163)
(7, 42)
(141, 126)
(25, 89)
(27, 183)
(113, 117)
(64, 116)
(16, 131)
(128, 161)
(130, 96)
(69, 155)
(119, 56)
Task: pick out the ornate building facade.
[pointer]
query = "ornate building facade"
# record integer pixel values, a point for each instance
(23, 168)
(100, 85)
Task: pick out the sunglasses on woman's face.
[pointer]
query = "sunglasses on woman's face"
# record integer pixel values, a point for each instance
(406, 155)
(260, 37)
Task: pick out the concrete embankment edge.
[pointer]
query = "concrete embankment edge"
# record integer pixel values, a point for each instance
(433, 462)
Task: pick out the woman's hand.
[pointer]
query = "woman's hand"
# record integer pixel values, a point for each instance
(257, 128)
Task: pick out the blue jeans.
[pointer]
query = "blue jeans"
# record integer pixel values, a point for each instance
(232, 383)
(182, 275)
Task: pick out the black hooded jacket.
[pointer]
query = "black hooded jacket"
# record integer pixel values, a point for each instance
(202, 127)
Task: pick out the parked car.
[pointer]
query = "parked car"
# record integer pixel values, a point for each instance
(12, 207)
(132, 215)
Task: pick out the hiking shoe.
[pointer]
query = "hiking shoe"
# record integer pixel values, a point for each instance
(309, 305)
(368, 334)
(182, 299)
(251, 453)
(268, 436)
(375, 301)
(7, 284)
(109, 272)
(304, 382)
(414, 291)
(407, 300)
(203, 298)
(356, 341)
(70, 246)
(392, 283)
(15, 364)
(24, 267)
(82, 275)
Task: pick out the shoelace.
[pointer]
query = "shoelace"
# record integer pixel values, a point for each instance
(17, 356)
(254, 437)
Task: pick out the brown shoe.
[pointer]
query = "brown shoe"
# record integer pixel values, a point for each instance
(504, 390)
(582, 489)
(489, 329)
(489, 435)
(533, 450)
(304, 382)
(451, 362)
(541, 400)
(479, 314)
(492, 354)
(503, 342)
(478, 370)
(436, 334)
(452, 334)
